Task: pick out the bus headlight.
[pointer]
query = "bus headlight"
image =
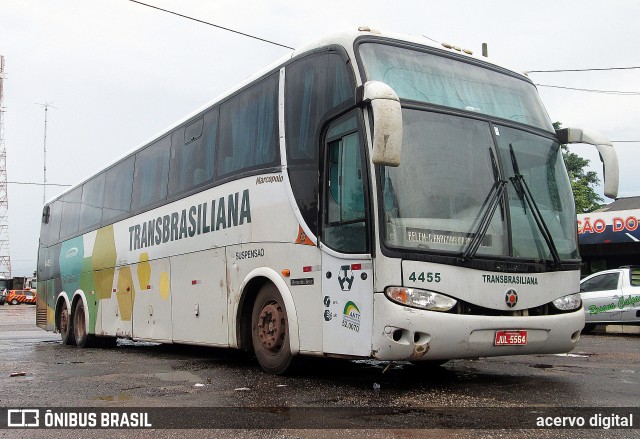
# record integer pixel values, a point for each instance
(420, 298)
(567, 303)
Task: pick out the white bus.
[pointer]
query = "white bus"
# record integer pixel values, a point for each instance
(369, 196)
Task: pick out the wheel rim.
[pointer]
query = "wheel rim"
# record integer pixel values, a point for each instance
(64, 320)
(78, 326)
(272, 326)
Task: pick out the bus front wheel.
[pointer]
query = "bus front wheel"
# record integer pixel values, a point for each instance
(270, 331)
(64, 325)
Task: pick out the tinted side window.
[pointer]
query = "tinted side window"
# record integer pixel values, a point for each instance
(151, 174)
(603, 282)
(249, 129)
(92, 198)
(117, 194)
(55, 217)
(45, 225)
(70, 213)
(192, 154)
(345, 225)
(316, 87)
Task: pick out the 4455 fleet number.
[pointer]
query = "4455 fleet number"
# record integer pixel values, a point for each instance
(425, 277)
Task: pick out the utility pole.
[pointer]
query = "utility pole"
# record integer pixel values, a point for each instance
(5, 254)
(46, 107)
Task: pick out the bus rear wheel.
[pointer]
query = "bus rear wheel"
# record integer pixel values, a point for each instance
(65, 326)
(270, 331)
(80, 332)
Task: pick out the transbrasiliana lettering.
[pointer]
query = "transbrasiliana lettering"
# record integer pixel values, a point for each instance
(196, 220)
(507, 279)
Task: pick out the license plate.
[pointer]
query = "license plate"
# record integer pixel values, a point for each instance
(511, 338)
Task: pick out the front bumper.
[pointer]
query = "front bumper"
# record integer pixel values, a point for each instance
(403, 333)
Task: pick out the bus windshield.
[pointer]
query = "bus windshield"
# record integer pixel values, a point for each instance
(436, 197)
(452, 165)
(426, 77)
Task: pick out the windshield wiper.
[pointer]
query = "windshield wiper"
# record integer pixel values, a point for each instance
(492, 202)
(524, 193)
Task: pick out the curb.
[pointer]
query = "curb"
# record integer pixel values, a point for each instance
(622, 329)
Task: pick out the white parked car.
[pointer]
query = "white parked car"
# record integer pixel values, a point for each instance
(611, 297)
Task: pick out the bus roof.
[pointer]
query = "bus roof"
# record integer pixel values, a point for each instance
(344, 38)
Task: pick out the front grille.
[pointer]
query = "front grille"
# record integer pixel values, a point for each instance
(466, 308)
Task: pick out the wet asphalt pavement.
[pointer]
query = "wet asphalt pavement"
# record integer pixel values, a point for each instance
(604, 371)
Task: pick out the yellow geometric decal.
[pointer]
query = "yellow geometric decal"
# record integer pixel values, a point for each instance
(104, 249)
(51, 317)
(125, 293)
(103, 283)
(103, 260)
(144, 271)
(165, 285)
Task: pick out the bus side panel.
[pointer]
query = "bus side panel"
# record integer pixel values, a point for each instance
(304, 286)
(117, 309)
(54, 287)
(152, 305)
(41, 305)
(199, 298)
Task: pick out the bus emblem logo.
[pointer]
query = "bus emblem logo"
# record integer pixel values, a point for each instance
(345, 281)
(511, 298)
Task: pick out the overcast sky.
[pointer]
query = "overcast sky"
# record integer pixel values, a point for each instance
(118, 72)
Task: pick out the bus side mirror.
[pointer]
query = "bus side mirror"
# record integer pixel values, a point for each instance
(387, 121)
(45, 215)
(608, 155)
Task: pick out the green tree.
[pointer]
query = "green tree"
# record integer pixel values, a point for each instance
(582, 183)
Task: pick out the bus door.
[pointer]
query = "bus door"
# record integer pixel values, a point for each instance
(347, 270)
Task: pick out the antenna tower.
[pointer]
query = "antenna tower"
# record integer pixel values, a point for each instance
(5, 255)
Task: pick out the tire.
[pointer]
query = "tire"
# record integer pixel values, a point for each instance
(589, 327)
(14, 301)
(65, 325)
(270, 332)
(80, 332)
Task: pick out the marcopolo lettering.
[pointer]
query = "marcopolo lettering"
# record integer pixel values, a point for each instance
(234, 210)
(269, 179)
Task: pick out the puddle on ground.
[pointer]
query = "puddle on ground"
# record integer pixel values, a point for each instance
(127, 342)
(178, 376)
(578, 355)
(111, 398)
